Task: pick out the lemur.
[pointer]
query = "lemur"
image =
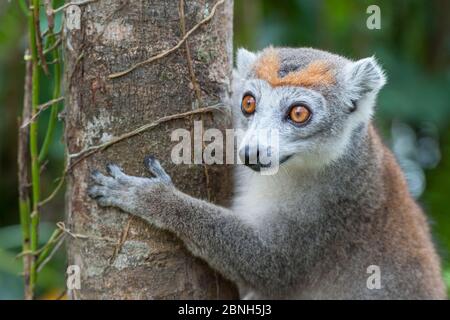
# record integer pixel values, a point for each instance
(338, 204)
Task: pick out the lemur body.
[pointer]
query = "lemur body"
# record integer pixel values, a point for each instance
(338, 204)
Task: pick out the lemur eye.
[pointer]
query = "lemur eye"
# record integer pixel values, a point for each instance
(299, 114)
(248, 105)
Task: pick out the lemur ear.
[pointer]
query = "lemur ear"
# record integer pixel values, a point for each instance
(244, 61)
(363, 77)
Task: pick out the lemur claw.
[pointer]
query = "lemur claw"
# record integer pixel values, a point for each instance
(148, 159)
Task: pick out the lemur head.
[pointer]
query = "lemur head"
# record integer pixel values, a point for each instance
(314, 100)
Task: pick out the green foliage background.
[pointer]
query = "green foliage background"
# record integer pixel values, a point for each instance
(413, 46)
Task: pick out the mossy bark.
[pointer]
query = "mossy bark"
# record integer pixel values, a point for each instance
(111, 36)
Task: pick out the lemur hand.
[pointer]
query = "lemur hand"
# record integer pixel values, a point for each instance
(144, 197)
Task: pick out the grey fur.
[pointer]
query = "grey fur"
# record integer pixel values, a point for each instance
(312, 230)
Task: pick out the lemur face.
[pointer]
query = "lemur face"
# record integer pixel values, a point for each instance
(314, 100)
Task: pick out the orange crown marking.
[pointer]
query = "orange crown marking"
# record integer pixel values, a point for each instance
(316, 73)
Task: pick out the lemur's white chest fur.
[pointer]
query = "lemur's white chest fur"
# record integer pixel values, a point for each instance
(254, 199)
(259, 198)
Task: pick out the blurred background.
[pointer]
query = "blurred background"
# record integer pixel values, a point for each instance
(413, 115)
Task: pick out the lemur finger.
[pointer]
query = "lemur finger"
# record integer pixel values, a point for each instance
(156, 169)
(105, 201)
(97, 191)
(116, 172)
(101, 179)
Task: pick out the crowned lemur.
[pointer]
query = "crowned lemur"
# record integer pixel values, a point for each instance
(338, 204)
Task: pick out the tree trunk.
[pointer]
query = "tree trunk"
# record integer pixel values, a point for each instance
(121, 257)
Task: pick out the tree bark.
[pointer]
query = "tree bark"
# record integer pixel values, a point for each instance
(121, 257)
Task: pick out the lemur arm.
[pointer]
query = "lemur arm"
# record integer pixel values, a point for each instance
(234, 248)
